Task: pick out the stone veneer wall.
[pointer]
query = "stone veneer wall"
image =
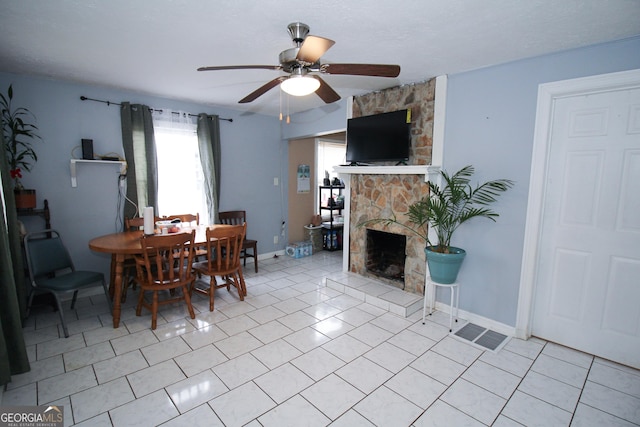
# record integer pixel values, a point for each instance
(382, 196)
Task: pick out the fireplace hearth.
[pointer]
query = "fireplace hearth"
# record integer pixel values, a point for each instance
(386, 254)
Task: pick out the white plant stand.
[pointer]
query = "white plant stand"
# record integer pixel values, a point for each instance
(454, 288)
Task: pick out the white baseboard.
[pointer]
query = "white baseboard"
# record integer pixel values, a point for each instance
(501, 328)
(269, 255)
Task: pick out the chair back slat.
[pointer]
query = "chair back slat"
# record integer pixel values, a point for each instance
(233, 217)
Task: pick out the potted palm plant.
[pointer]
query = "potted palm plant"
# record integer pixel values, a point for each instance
(445, 209)
(18, 133)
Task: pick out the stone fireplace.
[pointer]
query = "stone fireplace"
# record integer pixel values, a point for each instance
(383, 196)
(387, 190)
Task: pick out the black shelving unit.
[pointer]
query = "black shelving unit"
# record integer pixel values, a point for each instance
(331, 202)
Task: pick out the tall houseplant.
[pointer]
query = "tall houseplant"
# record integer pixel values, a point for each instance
(445, 209)
(18, 133)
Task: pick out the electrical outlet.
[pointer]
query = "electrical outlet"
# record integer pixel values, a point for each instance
(275, 240)
(276, 181)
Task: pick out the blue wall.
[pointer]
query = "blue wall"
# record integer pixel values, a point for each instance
(252, 151)
(490, 122)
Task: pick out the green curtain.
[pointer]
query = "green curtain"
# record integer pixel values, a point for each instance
(209, 146)
(13, 295)
(140, 153)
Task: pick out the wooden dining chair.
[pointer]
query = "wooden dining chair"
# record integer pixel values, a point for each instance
(193, 220)
(189, 218)
(129, 265)
(157, 271)
(239, 218)
(131, 224)
(224, 244)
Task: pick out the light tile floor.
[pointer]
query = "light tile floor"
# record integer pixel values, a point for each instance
(297, 352)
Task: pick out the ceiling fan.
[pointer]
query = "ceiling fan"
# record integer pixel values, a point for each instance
(303, 60)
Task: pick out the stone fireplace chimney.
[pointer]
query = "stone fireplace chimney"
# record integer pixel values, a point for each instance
(382, 195)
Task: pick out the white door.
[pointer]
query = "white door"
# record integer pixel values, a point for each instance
(587, 287)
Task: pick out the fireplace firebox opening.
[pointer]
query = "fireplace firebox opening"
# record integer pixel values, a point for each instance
(386, 254)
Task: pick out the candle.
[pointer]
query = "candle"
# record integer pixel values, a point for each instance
(148, 220)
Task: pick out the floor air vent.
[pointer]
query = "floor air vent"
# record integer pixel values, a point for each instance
(483, 337)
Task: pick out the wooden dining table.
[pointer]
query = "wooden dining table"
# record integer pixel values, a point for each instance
(128, 243)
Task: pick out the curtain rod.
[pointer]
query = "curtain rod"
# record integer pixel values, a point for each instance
(84, 98)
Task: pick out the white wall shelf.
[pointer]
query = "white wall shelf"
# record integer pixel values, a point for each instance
(74, 162)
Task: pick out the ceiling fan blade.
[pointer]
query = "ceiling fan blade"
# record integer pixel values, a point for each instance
(262, 90)
(242, 67)
(325, 92)
(313, 48)
(377, 70)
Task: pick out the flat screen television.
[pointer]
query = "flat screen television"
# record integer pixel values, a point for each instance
(379, 138)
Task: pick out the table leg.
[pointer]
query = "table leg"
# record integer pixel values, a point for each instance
(112, 275)
(117, 289)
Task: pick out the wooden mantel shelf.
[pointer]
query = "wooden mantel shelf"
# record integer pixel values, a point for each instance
(429, 171)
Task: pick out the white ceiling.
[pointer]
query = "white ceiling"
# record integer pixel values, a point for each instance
(155, 46)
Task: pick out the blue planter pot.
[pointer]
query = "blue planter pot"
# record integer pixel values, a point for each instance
(444, 268)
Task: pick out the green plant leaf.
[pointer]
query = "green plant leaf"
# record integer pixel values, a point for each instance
(449, 206)
(18, 133)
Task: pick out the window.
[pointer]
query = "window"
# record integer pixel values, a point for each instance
(180, 176)
(330, 154)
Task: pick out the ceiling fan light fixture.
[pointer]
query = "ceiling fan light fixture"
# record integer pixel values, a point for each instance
(300, 85)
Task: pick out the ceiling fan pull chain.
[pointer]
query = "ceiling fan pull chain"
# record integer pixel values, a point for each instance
(288, 117)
